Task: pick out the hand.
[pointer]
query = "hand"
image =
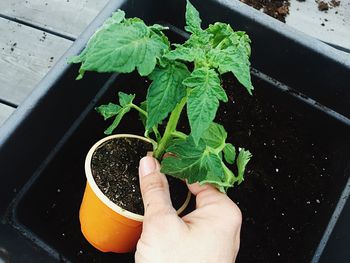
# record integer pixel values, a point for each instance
(209, 234)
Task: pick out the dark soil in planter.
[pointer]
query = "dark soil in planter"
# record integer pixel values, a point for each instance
(114, 166)
(291, 187)
(287, 194)
(278, 9)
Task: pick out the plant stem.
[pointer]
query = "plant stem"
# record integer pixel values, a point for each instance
(170, 128)
(179, 134)
(139, 109)
(155, 129)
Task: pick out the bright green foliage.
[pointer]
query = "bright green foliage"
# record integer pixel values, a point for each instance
(216, 49)
(108, 111)
(229, 153)
(233, 60)
(215, 136)
(111, 110)
(184, 53)
(203, 99)
(165, 91)
(242, 161)
(202, 162)
(193, 21)
(124, 45)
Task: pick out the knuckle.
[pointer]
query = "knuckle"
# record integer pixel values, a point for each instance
(235, 214)
(160, 219)
(153, 183)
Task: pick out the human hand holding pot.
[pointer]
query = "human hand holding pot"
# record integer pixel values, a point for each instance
(211, 233)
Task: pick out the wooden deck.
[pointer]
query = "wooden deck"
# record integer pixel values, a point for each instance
(34, 34)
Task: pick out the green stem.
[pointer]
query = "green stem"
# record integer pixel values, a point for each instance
(155, 129)
(170, 128)
(139, 109)
(220, 44)
(179, 134)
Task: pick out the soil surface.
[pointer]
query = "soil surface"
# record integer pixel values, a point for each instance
(287, 183)
(115, 166)
(278, 9)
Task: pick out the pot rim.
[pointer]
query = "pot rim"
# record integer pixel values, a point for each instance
(105, 199)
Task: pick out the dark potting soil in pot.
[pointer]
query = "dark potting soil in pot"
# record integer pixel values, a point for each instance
(114, 166)
(278, 9)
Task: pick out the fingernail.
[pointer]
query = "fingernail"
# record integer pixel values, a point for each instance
(147, 165)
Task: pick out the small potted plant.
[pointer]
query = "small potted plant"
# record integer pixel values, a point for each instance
(183, 76)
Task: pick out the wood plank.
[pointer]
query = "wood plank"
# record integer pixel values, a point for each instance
(26, 55)
(67, 17)
(5, 112)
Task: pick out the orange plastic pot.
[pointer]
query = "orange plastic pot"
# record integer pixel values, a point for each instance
(105, 225)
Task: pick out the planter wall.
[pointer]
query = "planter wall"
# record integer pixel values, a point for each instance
(43, 145)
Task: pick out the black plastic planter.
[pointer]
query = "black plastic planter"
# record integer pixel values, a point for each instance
(301, 90)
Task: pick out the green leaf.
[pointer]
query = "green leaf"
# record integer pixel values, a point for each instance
(193, 21)
(245, 41)
(189, 162)
(201, 163)
(207, 79)
(231, 53)
(158, 28)
(122, 47)
(116, 18)
(220, 93)
(201, 108)
(215, 135)
(216, 181)
(242, 160)
(229, 153)
(125, 99)
(77, 59)
(109, 110)
(221, 34)
(183, 53)
(214, 166)
(195, 163)
(233, 60)
(165, 91)
(203, 99)
(241, 68)
(117, 120)
(200, 40)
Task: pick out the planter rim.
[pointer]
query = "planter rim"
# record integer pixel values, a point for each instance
(105, 199)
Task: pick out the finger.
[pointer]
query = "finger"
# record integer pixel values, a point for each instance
(211, 203)
(154, 187)
(207, 195)
(196, 188)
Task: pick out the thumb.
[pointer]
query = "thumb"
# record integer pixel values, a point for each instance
(207, 195)
(154, 187)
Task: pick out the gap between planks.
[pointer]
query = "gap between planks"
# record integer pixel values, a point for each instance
(66, 17)
(26, 55)
(5, 112)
